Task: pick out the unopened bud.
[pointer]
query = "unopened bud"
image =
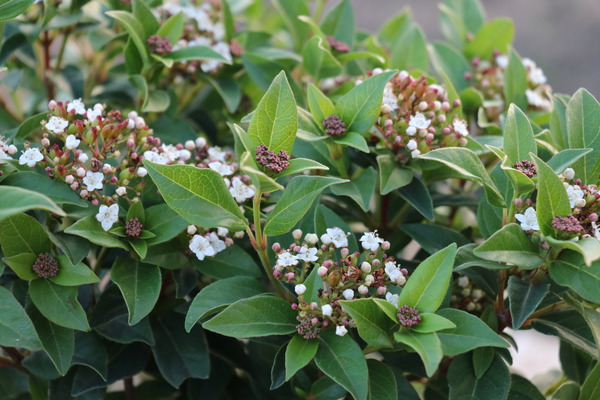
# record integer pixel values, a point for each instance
(300, 289)
(200, 142)
(569, 173)
(121, 190)
(69, 179)
(80, 172)
(297, 234)
(362, 289)
(276, 247)
(191, 229)
(322, 271)
(141, 172)
(348, 294)
(311, 238)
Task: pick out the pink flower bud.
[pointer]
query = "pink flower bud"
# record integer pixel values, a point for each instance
(276, 247)
(107, 168)
(322, 271)
(95, 202)
(84, 193)
(45, 142)
(69, 179)
(381, 290)
(130, 142)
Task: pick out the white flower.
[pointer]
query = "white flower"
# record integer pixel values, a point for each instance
(215, 152)
(300, 289)
(4, 156)
(93, 114)
(528, 220)
(93, 180)
(72, 142)
(30, 157)
(370, 241)
(536, 76)
(77, 106)
(460, 126)
(418, 121)
(596, 229)
(392, 298)
(389, 98)
(107, 216)
(201, 247)
(341, 330)
(392, 271)
(154, 157)
(222, 231)
(56, 124)
(412, 144)
(537, 100)
(338, 237)
(574, 193)
(325, 238)
(121, 190)
(528, 63)
(286, 259)
(222, 168)
(326, 310)
(170, 153)
(348, 294)
(223, 49)
(240, 191)
(142, 172)
(307, 254)
(216, 243)
(502, 61)
(83, 157)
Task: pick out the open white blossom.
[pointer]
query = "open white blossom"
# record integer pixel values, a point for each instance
(575, 193)
(215, 153)
(31, 157)
(371, 241)
(57, 124)
(155, 157)
(389, 98)
(528, 220)
(4, 156)
(341, 330)
(418, 121)
(72, 142)
(286, 259)
(170, 153)
(536, 76)
(460, 126)
(535, 99)
(107, 216)
(216, 242)
(392, 298)
(93, 113)
(77, 106)
(339, 238)
(307, 254)
(93, 180)
(222, 168)
(393, 271)
(240, 191)
(201, 247)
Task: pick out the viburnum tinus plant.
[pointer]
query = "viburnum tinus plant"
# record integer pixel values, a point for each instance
(253, 200)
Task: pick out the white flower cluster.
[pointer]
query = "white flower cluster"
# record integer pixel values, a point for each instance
(6, 150)
(528, 220)
(209, 244)
(538, 93)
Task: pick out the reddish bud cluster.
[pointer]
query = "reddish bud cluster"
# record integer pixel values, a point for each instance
(133, 227)
(334, 126)
(45, 266)
(526, 167)
(568, 224)
(308, 326)
(271, 161)
(159, 45)
(336, 45)
(408, 316)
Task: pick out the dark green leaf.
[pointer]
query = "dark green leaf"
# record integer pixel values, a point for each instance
(511, 245)
(591, 386)
(427, 345)
(59, 304)
(298, 354)
(57, 191)
(57, 341)
(493, 385)
(16, 329)
(382, 382)
(23, 234)
(140, 285)
(231, 262)
(433, 237)
(89, 228)
(391, 177)
(373, 324)
(570, 270)
(360, 189)
(569, 326)
(524, 299)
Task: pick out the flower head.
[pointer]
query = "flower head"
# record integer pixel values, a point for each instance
(57, 124)
(286, 259)
(222, 168)
(334, 126)
(418, 121)
(408, 316)
(528, 220)
(107, 216)
(133, 228)
(338, 237)
(200, 246)
(460, 126)
(45, 266)
(575, 194)
(392, 298)
(31, 156)
(216, 242)
(240, 191)
(371, 241)
(77, 106)
(93, 180)
(307, 254)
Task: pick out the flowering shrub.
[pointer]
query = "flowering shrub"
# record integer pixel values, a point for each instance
(231, 199)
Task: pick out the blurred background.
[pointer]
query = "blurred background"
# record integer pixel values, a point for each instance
(562, 37)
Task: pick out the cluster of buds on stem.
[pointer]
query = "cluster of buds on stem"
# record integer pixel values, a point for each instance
(209, 242)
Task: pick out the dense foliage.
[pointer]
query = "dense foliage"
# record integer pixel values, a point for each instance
(241, 199)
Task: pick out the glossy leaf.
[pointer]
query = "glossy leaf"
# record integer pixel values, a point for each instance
(254, 317)
(390, 176)
(569, 326)
(22, 265)
(591, 387)
(164, 223)
(515, 84)
(198, 195)
(359, 189)
(340, 358)
(565, 158)
(427, 345)
(382, 382)
(89, 228)
(518, 136)
(432, 323)
(318, 61)
(140, 285)
(57, 341)
(16, 329)
(231, 262)
(298, 353)
(57, 191)
(433, 238)
(410, 50)
(570, 270)
(589, 248)
(511, 245)
(524, 298)
(319, 104)
(23, 234)
(12, 8)
(493, 385)
(373, 324)
(583, 131)
(59, 304)
(353, 139)
(73, 275)
(418, 196)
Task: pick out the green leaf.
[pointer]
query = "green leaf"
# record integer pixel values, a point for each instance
(275, 120)
(340, 358)
(172, 29)
(432, 323)
(511, 245)
(140, 285)
(373, 324)
(89, 228)
(382, 382)
(353, 139)
(427, 345)
(427, 286)
(339, 22)
(570, 327)
(254, 317)
(198, 195)
(569, 270)
(57, 341)
(515, 81)
(524, 299)
(220, 294)
(518, 136)
(229, 90)
(495, 35)
(261, 181)
(417, 195)
(298, 354)
(318, 61)
(469, 166)
(552, 198)
(567, 391)
(290, 11)
(319, 104)
(179, 355)
(470, 333)
(466, 258)
(23, 234)
(493, 385)
(59, 304)
(233, 261)
(110, 320)
(145, 17)
(360, 107)
(164, 223)
(482, 359)
(135, 29)
(16, 329)
(56, 190)
(298, 165)
(359, 189)
(297, 198)
(589, 248)
(565, 158)
(13, 8)
(22, 265)
(195, 53)
(447, 60)
(591, 386)
(433, 238)
(391, 177)
(16, 200)
(73, 275)
(410, 50)
(583, 131)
